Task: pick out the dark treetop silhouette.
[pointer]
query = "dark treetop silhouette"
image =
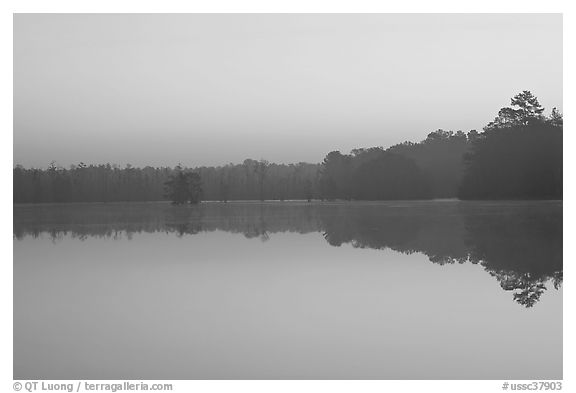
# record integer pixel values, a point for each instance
(517, 156)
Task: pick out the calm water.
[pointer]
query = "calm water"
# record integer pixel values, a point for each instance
(398, 290)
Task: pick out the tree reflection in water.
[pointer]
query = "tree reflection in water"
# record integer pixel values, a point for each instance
(518, 243)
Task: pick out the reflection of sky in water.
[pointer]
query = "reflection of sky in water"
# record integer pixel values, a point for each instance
(219, 305)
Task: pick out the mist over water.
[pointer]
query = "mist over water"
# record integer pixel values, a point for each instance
(289, 290)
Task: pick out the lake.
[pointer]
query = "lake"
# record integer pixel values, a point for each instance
(289, 290)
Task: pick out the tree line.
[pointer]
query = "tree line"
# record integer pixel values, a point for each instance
(430, 169)
(251, 180)
(517, 156)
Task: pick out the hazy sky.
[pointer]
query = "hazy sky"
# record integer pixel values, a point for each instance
(209, 89)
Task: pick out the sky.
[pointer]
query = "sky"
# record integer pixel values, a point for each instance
(212, 89)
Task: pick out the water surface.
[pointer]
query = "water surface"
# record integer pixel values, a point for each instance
(395, 290)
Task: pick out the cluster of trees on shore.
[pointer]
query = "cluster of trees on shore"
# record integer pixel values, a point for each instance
(432, 168)
(517, 156)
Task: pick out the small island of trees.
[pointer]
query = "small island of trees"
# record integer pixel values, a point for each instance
(517, 156)
(183, 186)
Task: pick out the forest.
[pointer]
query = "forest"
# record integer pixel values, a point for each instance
(517, 156)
